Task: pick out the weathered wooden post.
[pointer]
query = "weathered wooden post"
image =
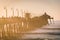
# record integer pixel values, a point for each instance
(17, 12)
(22, 18)
(6, 33)
(12, 12)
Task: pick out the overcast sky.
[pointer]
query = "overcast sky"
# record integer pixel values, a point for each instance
(35, 7)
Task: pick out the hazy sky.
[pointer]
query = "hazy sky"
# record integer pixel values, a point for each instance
(35, 7)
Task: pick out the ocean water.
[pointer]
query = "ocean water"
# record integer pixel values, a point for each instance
(48, 32)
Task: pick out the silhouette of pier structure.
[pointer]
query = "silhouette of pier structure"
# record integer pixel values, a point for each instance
(10, 26)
